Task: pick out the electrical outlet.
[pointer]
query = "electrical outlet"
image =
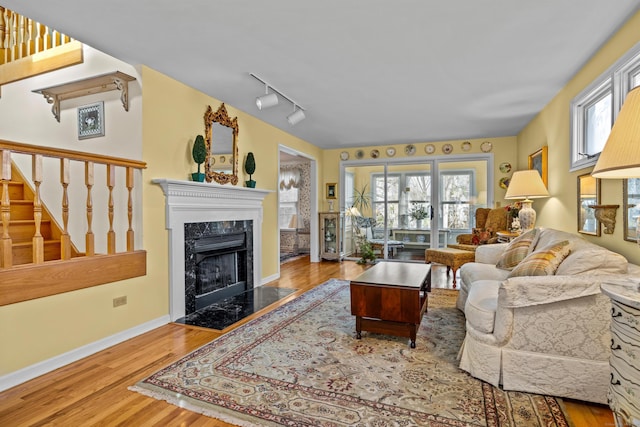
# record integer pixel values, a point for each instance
(117, 302)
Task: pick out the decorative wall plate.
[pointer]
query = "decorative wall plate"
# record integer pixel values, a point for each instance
(466, 146)
(410, 150)
(504, 182)
(344, 155)
(486, 146)
(429, 148)
(505, 167)
(375, 154)
(222, 159)
(391, 151)
(447, 148)
(359, 154)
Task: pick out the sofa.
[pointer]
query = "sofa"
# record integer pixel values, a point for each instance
(536, 320)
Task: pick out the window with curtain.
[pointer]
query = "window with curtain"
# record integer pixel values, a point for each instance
(289, 196)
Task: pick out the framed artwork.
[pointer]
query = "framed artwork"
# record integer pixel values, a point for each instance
(588, 195)
(538, 161)
(631, 208)
(331, 190)
(91, 121)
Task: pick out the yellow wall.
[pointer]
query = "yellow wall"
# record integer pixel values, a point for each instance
(35, 331)
(552, 127)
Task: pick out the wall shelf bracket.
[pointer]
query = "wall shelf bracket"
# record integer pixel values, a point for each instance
(97, 84)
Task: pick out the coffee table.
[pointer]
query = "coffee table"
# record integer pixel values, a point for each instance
(390, 298)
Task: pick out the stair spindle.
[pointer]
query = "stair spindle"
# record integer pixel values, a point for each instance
(88, 180)
(38, 240)
(111, 235)
(65, 238)
(130, 234)
(5, 241)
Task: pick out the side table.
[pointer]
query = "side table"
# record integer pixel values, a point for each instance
(624, 389)
(506, 236)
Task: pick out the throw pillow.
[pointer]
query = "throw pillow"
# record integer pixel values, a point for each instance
(481, 236)
(518, 249)
(543, 262)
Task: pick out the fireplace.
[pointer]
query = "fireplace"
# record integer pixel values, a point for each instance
(195, 210)
(218, 262)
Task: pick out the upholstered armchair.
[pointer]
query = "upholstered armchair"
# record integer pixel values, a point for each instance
(488, 223)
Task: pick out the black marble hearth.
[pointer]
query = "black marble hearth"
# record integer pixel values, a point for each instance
(231, 310)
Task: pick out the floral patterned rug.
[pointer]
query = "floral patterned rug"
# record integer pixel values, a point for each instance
(301, 365)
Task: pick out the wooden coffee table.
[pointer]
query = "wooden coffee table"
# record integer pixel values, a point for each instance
(390, 298)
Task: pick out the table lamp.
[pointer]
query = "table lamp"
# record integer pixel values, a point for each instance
(526, 185)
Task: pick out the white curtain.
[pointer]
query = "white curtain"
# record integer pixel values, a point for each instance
(289, 179)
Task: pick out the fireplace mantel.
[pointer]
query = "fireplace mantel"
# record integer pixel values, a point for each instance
(189, 202)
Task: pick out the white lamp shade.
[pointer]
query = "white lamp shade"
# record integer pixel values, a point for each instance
(526, 184)
(266, 101)
(296, 117)
(620, 157)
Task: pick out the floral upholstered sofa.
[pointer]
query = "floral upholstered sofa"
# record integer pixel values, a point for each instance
(536, 320)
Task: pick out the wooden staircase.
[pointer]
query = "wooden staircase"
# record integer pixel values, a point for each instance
(22, 226)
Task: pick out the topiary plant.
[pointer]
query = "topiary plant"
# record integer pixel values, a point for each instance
(250, 168)
(199, 154)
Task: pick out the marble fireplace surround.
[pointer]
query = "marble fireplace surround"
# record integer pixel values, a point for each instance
(189, 202)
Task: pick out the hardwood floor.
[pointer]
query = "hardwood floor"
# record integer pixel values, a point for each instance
(93, 391)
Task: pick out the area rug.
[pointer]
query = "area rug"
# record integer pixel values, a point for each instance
(301, 365)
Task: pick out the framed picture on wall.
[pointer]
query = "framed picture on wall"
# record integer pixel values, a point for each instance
(91, 121)
(538, 161)
(332, 190)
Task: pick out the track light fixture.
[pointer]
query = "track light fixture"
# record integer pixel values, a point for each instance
(267, 100)
(271, 99)
(297, 116)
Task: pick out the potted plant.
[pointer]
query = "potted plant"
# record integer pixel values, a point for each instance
(250, 168)
(199, 154)
(418, 212)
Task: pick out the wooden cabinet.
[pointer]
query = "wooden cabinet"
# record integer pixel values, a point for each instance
(624, 389)
(331, 235)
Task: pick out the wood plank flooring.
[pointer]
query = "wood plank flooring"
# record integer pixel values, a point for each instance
(93, 391)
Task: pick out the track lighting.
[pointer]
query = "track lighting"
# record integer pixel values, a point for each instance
(267, 100)
(297, 116)
(271, 99)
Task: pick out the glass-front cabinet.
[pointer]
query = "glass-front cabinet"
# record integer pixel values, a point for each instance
(331, 234)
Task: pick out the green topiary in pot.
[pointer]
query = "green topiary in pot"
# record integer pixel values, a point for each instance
(199, 154)
(250, 168)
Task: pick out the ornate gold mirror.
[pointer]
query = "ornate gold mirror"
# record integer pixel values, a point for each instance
(221, 139)
(588, 195)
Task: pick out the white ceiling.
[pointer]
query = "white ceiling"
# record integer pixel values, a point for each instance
(368, 72)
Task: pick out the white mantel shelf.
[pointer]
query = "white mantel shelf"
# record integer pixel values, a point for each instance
(191, 202)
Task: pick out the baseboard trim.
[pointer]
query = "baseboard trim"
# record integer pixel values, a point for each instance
(30, 372)
(268, 279)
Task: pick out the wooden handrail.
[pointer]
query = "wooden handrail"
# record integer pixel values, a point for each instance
(37, 153)
(18, 147)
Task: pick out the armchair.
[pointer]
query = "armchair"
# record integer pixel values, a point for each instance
(488, 223)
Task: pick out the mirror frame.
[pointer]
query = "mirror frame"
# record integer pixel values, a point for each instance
(627, 205)
(580, 201)
(221, 117)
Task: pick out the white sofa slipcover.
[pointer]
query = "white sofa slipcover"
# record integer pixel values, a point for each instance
(541, 334)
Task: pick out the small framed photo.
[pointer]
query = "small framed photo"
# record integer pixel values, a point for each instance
(91, 121)
(331, 190)
(538, 161)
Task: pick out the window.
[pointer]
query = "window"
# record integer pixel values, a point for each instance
(456, 190)
(288, 208)
(393, 200)
(594, 110)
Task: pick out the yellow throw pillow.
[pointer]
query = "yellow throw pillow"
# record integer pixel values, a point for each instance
(543, 262)
(518, 249)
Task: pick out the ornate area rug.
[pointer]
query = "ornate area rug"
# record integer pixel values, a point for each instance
(301, 365)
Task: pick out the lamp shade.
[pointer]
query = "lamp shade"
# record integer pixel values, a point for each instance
(526, 184)
(620, 157)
